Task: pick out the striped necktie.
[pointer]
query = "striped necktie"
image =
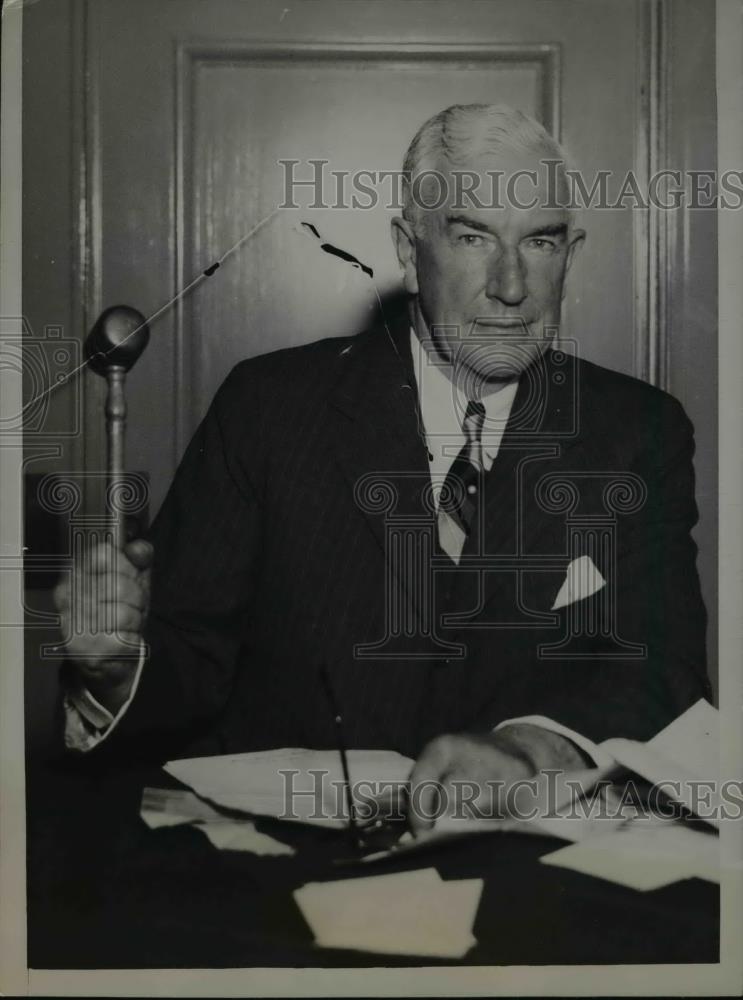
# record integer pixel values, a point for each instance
(459, 495)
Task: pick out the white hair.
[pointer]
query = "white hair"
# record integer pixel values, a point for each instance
(458, 133)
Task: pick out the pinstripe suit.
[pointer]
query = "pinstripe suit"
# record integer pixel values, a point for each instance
(272, 554)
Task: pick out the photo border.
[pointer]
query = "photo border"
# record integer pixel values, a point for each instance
(725, 978)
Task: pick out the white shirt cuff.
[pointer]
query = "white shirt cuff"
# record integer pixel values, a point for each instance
(87, 722)
(593, 750)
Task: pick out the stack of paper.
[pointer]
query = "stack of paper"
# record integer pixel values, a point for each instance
(408, 913)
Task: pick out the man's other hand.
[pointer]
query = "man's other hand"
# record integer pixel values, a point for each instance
(476, 771)
(103, 606)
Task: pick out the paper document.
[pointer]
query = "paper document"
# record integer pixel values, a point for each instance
(644, 855)
(551, 812)
(408, 913)
(308, 786)
(174, 807)
(681, 755)
(294, 784)
(163, 807)
(241, 835)
(692, 740)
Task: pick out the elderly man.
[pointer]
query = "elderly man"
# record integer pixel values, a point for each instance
(483, 540)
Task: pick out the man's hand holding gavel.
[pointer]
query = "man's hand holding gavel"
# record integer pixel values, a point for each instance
(103, 605)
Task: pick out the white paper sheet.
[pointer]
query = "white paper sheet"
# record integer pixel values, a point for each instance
(241, 835)
(280, 783)
(647, 853)
(163, 807)
(408, 913)
(681, 756)
(644, 855)
(174, 807)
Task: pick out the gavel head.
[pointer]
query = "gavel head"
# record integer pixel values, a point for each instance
(117, 339)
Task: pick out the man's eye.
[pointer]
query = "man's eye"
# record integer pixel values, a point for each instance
(471, 240)
(539, 243)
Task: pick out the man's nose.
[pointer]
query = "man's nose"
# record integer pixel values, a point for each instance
(506, 279)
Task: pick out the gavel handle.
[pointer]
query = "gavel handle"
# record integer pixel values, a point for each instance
(116, 437)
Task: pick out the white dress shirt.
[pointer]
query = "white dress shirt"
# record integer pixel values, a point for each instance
(442, 407)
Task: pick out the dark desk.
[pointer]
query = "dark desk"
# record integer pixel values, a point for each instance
(104, 891)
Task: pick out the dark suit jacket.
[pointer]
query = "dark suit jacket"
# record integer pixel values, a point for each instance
(275, 551)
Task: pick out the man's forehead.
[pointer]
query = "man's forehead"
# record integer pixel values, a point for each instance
(530, 219)
(490, 186)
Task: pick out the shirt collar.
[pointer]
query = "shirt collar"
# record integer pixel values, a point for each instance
(443, 405)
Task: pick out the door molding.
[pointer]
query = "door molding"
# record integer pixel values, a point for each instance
(87, 243)
(654, 229)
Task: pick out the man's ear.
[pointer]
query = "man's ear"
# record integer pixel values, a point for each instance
(403, 238)
(577, 239)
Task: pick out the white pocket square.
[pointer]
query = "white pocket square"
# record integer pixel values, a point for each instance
(581, 580)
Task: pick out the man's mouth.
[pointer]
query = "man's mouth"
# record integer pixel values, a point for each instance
(504, 323)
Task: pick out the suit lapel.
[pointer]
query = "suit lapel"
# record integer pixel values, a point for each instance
(378, 441)
(543, 427)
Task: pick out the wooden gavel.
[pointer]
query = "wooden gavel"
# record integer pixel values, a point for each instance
(112, 348)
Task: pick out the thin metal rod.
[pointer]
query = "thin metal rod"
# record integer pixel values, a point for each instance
(116, 439)
(353, 829)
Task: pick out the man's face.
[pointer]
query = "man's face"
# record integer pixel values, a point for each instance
(488, 282)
